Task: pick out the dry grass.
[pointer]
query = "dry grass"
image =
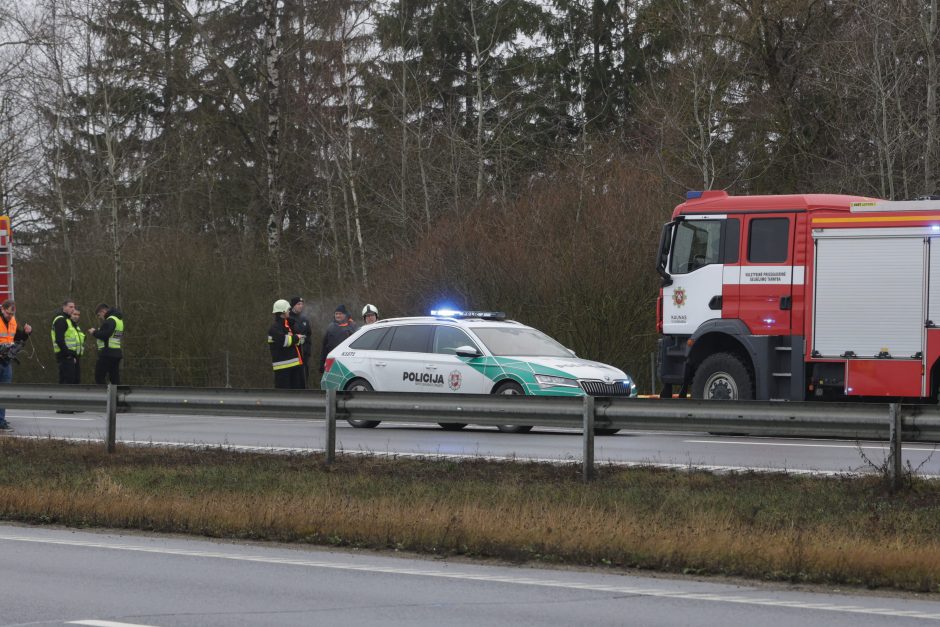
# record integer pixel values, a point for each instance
(847, 531)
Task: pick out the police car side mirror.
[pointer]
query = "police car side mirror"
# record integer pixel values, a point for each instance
(467, 351)
(573, 354)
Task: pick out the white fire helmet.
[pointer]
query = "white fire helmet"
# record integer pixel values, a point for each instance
(280, 306)
(370, 309)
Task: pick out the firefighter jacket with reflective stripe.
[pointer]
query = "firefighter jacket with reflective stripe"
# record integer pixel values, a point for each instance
(285, 351)
(66, 338)
(110, 337)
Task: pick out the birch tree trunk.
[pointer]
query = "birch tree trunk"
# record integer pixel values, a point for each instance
(930, 141)
(275, 191)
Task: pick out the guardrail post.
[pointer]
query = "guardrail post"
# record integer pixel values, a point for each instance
(111, 411)
(894, 462)
(330, 426)
(587, 413)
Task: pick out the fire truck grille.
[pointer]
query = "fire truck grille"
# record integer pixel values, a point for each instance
(599, 388)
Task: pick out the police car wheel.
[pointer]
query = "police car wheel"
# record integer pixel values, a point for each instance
(361, 385)
(452, 426)
(511, 388)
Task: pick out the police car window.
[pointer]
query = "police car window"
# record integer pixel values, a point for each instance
(697, 243)
(370, 340)
(448, 339)
(512, 341)
(412, 338)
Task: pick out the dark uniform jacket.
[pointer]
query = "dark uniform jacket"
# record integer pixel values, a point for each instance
(283, 345)
(105, 331)
(301, 326)
(334, 336)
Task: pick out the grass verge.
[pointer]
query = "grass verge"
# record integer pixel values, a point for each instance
(795, 528)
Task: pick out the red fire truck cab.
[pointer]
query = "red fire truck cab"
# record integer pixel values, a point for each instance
(797, 297)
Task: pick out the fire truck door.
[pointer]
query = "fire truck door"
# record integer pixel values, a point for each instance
(696, 265)
(767, 274)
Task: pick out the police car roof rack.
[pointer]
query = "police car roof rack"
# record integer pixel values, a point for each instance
(457, 314)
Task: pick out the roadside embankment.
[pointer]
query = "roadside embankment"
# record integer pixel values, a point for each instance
(796, 528)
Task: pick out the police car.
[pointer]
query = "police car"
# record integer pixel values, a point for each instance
(466, 352)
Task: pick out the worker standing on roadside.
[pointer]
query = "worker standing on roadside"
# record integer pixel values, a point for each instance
(341, 328)
(80, 344)
(300, 325)
(286, 358)
(9, 334)
(65, 342)
(109, 339)
(370, 314)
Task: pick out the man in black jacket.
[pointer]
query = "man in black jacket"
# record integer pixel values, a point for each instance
(109, 338)
(300, 325)
(341, 328)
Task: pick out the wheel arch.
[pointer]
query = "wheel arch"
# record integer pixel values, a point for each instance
(724, 336)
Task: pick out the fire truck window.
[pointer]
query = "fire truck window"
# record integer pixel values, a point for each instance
(697, 244)
(769, 240)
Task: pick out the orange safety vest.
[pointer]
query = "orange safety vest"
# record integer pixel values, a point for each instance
(7, 330)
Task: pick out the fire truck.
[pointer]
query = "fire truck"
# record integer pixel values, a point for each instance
(800, 297)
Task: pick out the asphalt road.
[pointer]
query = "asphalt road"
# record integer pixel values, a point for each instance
(65, 577)
(682, 450)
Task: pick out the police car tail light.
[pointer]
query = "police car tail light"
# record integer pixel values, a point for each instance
(328, 364)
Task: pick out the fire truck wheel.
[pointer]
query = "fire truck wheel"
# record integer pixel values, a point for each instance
(361, 385)
(722, 376)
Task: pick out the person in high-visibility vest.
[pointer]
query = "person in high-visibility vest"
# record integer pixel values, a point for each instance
(9, 334)
(80, 344)
(286, 357)
(65, 342)
(109, 339)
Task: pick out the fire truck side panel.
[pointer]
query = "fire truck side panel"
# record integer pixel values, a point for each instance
(864, 309)
(767, 274)
(883, 377)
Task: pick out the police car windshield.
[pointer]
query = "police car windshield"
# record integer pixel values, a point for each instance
(506, 341)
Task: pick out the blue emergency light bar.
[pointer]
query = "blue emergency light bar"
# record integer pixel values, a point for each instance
(455, 313)
(692, 195)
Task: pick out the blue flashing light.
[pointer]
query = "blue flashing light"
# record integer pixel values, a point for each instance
(691, 195)
(455, 313)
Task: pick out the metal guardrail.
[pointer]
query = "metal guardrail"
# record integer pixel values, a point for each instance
(862, 421)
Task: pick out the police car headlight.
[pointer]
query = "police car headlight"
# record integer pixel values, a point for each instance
(549, 381)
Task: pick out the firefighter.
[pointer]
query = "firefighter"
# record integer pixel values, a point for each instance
(10, 334)
(301, 326)
(65, 338)
(370, 314)
(109, 338)
(341, 328)
(286, 357)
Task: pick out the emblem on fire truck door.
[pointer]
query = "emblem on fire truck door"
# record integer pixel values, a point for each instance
(678, 297)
